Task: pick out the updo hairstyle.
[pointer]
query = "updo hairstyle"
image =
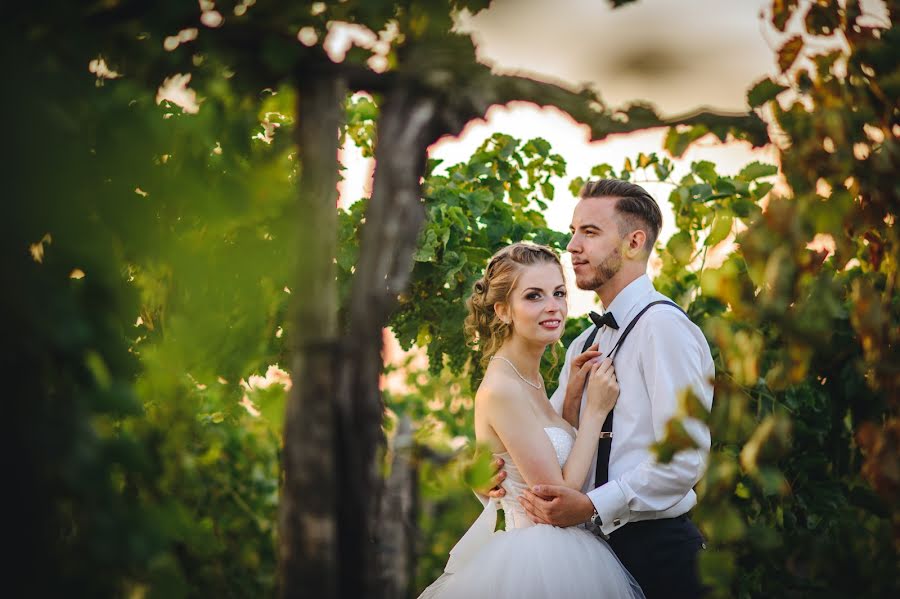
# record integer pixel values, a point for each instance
(483, 327)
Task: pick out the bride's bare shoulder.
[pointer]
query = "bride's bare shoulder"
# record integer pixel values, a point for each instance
(497, 390)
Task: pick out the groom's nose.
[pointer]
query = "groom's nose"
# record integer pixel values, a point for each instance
(571, 247)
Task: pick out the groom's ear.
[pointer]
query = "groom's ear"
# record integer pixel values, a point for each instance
(634, 244)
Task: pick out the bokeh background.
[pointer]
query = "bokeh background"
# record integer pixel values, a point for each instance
(214, 392)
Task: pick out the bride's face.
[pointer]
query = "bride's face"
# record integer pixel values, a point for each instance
(537, 304)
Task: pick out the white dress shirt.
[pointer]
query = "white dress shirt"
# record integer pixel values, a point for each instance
(664, 353)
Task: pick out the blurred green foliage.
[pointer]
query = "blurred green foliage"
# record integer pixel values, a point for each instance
(473, 209)
(150, 254)
(142, 474)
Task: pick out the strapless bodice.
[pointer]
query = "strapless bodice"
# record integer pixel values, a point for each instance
(514, 484)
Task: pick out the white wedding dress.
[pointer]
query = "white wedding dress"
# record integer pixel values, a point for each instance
(530, 560)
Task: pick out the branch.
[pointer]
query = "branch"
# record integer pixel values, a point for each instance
(586, 107)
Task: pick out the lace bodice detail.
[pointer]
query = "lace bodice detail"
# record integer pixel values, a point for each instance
(562, 442)
(514, 484)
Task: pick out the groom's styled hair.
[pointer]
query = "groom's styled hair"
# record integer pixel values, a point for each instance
(637, 208)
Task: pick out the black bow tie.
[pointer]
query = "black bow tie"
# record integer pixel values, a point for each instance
(607, 320)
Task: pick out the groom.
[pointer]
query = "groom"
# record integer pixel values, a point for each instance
(638, 504)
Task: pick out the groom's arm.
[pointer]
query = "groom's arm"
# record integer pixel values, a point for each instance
(675, 356)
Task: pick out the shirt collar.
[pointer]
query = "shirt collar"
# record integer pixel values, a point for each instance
(627, 298)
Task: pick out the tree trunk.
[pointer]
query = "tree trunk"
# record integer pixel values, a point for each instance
(399, 507)
(393, 220)
(308, 550)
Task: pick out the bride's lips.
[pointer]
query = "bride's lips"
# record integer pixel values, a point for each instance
(551, 323)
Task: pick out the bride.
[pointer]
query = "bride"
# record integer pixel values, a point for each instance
(516, 310)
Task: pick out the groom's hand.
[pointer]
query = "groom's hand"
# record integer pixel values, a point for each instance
(556, 505)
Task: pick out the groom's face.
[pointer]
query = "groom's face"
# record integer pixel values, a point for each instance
(596, 242)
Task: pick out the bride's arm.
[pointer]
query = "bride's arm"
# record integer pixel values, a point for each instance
(602, 393)
(524, 438)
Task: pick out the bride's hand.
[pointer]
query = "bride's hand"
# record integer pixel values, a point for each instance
(602, 390)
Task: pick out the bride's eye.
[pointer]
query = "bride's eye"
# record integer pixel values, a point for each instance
(533, 296)
(560, 294)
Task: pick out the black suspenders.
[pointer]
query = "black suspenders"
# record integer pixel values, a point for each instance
(627, 330)
(602, 475)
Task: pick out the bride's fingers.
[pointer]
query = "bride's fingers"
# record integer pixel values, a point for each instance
(587, 357)
(583, 373)
(605, 367)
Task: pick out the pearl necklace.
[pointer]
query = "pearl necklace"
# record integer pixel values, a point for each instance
(519, 374)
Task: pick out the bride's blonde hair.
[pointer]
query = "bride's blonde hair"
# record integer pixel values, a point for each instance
(483, 327)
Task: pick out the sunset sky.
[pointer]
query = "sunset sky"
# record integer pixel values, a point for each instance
(677, 55)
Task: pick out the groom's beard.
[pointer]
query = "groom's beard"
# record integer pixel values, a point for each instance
(603, 272)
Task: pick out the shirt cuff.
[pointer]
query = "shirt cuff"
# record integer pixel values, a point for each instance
(612, 505)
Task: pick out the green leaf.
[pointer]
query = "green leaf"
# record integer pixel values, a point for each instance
(706, 170)
(575, 186)
(782, 11)
(547, 190)
(677, 141)
(681, 247)
(662, 169)
(720, 229)
(727, 186)
(700, 192)
(755, 170)
(542, 146)
(431, 165)
(479, 201)
(743, 207)
(480, 471)
(788, 53)
(763, 91)
(271, 402)
(456, 214)
(427, 246)
(644, 160)
(822, 20)
(603, 171)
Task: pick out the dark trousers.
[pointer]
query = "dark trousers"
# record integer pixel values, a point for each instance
(662, 556)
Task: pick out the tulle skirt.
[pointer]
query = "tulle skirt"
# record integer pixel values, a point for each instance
(540, 561)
